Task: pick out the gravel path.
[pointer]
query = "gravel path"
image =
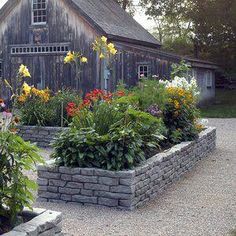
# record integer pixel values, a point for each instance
(203, 203)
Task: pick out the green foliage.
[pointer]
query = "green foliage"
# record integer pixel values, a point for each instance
(180, 70)
(16, 156)
(225, 107)
(118, 133)
(180, 116)
(210, 25)
(34, 111)
(179, 45)
(151, 129)
(150, 92)
(101, 118)
(120, 149)
(110, 139)
(128, 101)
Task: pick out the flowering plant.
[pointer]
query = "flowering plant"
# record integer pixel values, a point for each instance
(16, 156)
(106, 52)
(30, 92)
(181, 82)
(7, 118)
(77, 59)
(104, 49)
(91, 99)
(181, 113)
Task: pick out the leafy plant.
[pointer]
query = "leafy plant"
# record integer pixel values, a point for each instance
(50, 112)
(151, 129)
(150, 92)
(120, 149)
(180, 70)
(106, 138)
(15, 188)
(181, 115)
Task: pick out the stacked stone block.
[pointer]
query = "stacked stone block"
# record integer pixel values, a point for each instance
(44, 223)
(42, 136)
(123, 189)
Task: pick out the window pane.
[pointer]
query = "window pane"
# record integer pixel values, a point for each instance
(39, 11)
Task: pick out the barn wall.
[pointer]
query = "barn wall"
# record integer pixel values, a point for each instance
(48, 70)
(66, 26)
(130, 56)
(207, 93)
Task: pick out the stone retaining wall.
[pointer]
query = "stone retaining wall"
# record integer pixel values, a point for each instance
(123, 189)
(42, 136)
(44, 223)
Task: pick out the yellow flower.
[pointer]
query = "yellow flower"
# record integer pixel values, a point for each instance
(177, 105)
(22, 98)
(104, 39)
(69, 57)
(26, 89)
(84, 60)
(102, 56)
(110, 46)
(23, 71)
(113, 51)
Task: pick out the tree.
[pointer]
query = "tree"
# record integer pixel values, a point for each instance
(209, 24)
(127, 5)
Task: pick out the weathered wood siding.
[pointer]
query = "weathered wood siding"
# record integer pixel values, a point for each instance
(64, 26)
(125, 67)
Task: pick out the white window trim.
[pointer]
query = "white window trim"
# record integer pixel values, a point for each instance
(32, 14)
(209, 79)
(144, 65)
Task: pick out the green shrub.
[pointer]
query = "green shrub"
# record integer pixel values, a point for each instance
(120, 149)
(151, 129)
(51, 112)
(109, 139)
(16, 156)
(150, 92)
(181, 115)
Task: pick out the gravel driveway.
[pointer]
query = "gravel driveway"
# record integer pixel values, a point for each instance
(203, 203)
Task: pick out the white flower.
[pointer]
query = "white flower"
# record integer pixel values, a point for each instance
(204, 122)
(181, 82)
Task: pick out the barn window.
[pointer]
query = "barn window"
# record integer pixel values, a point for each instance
(144, 70)
(39, 11)
(209, 79)
(1, 69)
(40, 49)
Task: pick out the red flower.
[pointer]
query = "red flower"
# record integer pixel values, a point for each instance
(120, 93)
(71, 109)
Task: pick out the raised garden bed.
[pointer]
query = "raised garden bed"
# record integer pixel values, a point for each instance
(123, 189)
(42, 136)
(43, 223)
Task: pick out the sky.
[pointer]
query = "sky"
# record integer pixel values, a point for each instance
(139, 16)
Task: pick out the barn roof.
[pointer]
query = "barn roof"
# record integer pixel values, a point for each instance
(109, 17)
(114, 21)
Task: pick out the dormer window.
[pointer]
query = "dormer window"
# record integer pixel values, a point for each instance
(39, 12)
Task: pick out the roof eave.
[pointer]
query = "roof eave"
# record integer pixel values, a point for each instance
(7, 7)
(133, 41)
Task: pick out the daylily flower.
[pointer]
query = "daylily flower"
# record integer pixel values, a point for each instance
(84, 60)
(23, 71)
(104, 39)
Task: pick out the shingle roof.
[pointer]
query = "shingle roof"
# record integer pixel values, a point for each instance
(114, 21)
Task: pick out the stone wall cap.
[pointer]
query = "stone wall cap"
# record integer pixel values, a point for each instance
(42, 222)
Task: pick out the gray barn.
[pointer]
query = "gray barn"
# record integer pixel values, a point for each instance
(38, 33)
